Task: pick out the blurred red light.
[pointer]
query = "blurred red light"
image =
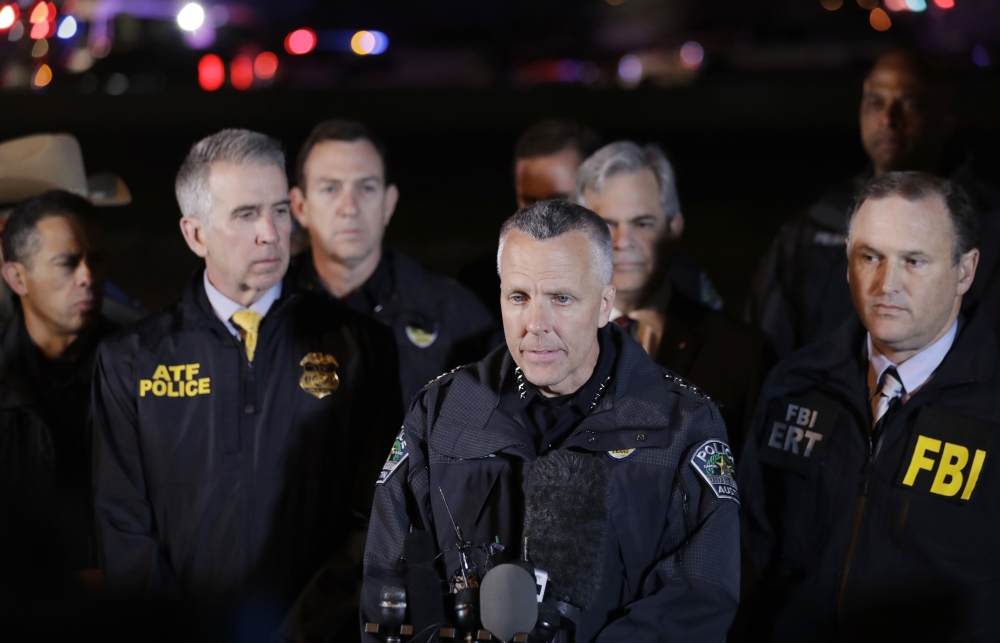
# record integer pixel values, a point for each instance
(266, 65)
(39, 14)
(211, 72)
(945, 4)
(300, 41)
(8, 16)
(241, 72)
(51, 13)
(40, 30)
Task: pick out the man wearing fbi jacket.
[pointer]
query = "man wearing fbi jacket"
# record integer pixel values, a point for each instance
(871, 488)
(238, 433)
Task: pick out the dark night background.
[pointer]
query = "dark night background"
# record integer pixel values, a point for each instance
(767, 121)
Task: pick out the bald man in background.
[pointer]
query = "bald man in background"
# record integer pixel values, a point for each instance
(799, 294)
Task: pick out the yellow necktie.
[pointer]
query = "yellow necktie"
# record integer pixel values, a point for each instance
(248, 323)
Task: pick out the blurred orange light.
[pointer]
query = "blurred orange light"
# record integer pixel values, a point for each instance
(40, 30)
(832, 5)
(211, 72)
(241, 72)
(363, 43)
(39, 14)
(945, 4)
(43, 76)
(879, 20)
(300, 41)
(8, 15)
(266, 65)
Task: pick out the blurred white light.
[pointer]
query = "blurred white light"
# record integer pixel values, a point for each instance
(916, 5)
(68, 28)
(692, 55)
(630, 69)
(191, 16)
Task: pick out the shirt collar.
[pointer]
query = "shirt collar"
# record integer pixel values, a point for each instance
(915, 371)
(225, 307)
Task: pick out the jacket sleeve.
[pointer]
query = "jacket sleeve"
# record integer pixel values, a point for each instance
(757, 532)
(127, 540)
(692, 592)
(401, 500)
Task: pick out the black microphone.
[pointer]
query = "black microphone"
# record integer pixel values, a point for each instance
(392, 606)
(566, 521)
(423, 583)
(508, 602)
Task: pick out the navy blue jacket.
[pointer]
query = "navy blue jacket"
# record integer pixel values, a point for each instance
(890, 539)
(671, 570)
(213, 473)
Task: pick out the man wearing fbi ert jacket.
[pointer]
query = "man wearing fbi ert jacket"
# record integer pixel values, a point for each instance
(870, 482)
(570, 448)
(232, 430)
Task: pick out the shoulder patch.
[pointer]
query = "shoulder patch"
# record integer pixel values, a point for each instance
(397, 455)
(713, 461)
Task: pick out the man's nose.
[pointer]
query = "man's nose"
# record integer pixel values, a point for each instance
(84, 274)
(348, 204)
(267, 229)
(890, 278)
(621, 238)
(537, 319)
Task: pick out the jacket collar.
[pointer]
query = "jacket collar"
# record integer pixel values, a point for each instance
(469, 424)
(196, 310)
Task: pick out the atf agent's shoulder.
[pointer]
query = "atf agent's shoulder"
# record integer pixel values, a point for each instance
(145, 334)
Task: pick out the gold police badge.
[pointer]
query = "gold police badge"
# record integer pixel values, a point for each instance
(319, 374)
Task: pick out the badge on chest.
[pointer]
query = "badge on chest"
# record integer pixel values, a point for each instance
(319, 374)
(945, 455)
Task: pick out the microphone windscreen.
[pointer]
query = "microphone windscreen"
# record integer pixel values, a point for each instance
(566, 521)
(508, 604)
(423, 584)
(392, 606)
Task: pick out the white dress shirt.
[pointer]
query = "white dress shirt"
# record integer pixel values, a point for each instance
(915, 371)
(225, 307)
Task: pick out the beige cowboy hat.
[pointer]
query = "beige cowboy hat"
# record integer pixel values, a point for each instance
(35, 164)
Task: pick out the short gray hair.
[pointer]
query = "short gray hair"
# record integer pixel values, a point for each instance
(625, 156)
(551, 219)
(237, 146)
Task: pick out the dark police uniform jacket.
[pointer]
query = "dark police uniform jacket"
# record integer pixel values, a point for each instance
(45, 440)
(213, 473)
(438, 324)
(800, 293)
(672, 562)
(901, 545)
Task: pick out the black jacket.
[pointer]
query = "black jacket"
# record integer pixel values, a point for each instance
(800, 293)
(213, 473)
(437, 323)
(723, 356)
(671, 568)
(897, 546)
(45, 442)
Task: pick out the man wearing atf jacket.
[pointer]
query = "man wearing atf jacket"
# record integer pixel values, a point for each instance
(237, 433)
(656, 555)
(870, 482)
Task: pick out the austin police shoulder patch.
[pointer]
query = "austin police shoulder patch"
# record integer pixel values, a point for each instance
(397, 455)
(621, 454)
(713, 461)
(420, 337)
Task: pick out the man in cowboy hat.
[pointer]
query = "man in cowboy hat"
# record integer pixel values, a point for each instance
(35, 164)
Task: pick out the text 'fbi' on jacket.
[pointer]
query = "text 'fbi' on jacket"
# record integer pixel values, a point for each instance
(796, 432)
(946, 454)
(179, 380)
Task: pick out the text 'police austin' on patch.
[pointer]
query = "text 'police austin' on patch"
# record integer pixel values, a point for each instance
(796, 432)
(396, 457)
(946, 454)
(713, 460)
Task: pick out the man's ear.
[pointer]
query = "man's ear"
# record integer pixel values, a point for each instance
(13, 274)
(391, 199)
(675, 226)
(298, 198)
(193, 230)
(607, 303)
(967, 265)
